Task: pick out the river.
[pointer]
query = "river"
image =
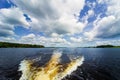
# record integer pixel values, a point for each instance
(98, 64)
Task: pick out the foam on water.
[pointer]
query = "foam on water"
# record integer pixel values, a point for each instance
(52, 70)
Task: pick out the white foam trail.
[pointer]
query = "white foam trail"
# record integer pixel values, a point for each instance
(52, 70)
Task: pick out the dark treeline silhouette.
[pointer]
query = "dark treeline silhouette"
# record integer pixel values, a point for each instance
(107, 46)
(104, 46)
(18, 45)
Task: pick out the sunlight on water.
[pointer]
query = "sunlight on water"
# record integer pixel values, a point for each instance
(52, 70)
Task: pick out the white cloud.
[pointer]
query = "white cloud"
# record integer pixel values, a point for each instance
(57, 19)
(107, 27)
(8, 39)
(108, 42)
(29, 36)
(58, 16)
(56, 35)
(102, 28)
(13, 16)
(46, 41)
(103, 1)
(76, 40)
(6, 30)
(91, 12)
(5, 33)
(8, 19)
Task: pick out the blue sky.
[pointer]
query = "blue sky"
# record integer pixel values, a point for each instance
(60, 23)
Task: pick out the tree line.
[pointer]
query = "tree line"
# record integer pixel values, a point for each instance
(18, 45)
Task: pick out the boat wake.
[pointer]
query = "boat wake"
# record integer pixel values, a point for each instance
(52, 70)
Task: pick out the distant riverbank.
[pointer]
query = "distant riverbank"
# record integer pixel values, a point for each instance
(104, 46)
(18, 45)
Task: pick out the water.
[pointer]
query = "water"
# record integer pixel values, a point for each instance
(99, 63)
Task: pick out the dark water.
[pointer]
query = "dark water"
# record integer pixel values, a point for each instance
(99, 64)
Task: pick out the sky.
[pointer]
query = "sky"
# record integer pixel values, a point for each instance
(60, 23)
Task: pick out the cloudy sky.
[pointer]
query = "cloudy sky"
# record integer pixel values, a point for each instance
(60, 23)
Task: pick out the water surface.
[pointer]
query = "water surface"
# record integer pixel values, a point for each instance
(99, 64)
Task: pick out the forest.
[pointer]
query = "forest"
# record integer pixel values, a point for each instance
(18, 45)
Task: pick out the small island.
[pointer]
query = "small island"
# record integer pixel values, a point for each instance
(107, 46)
(18, 45)
(104, 46)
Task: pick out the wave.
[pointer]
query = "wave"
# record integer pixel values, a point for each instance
(52, 70)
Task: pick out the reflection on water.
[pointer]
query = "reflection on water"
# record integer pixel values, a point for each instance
(99, 64)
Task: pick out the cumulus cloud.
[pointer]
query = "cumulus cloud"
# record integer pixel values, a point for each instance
(102, 28)
(8, 39)
(46, 41)
(28, 38)
(6, 30)
(76, 40)
(108, 42)
(59, 21)
(13, 16)
(108, 26)
(58, 16)
(9, 18)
